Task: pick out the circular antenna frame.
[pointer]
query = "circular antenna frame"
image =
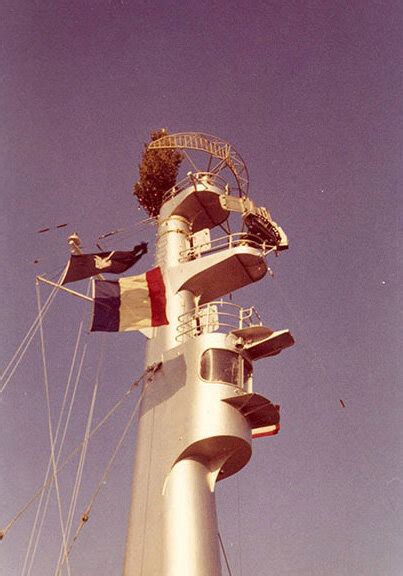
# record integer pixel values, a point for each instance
(220, 152)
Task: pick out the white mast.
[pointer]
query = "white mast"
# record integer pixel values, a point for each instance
(198, 411)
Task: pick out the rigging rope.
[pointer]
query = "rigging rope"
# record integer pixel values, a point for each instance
(224, 554)
(48, 484)
(63, 554)
(26, 341)
(86, 515)
(34, 546)
(239, 524)
(39, 491)
(64, 433)
(51, 439)
(125, 233)
(74, 498)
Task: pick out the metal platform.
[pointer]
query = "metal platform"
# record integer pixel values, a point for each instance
(197, 199)
(262, 416)
(223, 243)
(230, 263)
(258, 345)
(244, 324)
(219, 316)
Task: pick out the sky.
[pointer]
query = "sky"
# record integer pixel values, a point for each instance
(309, 94)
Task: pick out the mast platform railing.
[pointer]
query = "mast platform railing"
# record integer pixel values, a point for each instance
(219, 316)
(226, 242)
(212, 145)
(200, 181)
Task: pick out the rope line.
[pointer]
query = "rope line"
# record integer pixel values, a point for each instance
(86, 515)
(51, 441)
(64, 551)
(76, 489)
(50, 484)
(224, 554)
(239, 524)
(49, 467)
(26, 341)
(39, 491)
(125, 233)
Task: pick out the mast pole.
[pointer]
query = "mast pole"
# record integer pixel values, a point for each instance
(198, 411)
(172, 524)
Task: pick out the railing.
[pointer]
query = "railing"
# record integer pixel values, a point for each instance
(205, 179)
(213, 146)
(225, 242)
(216, 317)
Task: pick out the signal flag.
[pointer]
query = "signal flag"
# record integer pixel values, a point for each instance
(86, 265)
(130, 303)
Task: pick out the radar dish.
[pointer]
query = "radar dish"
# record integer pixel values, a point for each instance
(221, 155)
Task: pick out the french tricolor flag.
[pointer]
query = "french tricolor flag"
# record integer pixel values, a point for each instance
(130, 303)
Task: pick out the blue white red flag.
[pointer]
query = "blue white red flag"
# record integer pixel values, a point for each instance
(130, 303)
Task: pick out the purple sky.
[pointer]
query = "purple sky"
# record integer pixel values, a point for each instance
(309, 94)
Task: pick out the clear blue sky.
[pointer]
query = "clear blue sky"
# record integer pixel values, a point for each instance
(309, 93)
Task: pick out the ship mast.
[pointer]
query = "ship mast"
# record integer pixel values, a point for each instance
(199, 412)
